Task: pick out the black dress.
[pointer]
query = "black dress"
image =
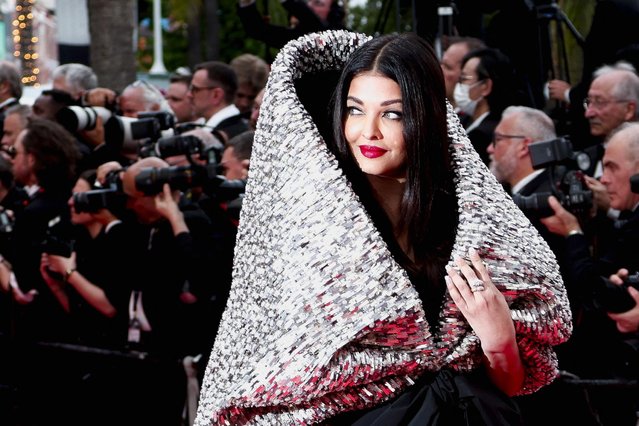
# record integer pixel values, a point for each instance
(446, 398)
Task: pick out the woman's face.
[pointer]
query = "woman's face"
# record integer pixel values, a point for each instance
(374, 125)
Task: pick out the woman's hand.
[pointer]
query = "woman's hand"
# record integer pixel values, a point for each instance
(483, 306)
(488, 314)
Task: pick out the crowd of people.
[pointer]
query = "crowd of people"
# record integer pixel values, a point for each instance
(120, 212)
(471, 242)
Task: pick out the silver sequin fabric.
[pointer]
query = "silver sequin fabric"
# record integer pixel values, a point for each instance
(321, 319)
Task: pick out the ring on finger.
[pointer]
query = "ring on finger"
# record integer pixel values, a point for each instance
(476, 285)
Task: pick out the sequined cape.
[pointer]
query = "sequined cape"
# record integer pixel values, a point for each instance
(321, 319)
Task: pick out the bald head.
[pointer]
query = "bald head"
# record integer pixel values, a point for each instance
(128, 177)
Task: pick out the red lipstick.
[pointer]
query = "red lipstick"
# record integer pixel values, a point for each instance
(369, 151)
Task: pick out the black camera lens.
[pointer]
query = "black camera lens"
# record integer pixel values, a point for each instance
(534, 204)
(96, 200)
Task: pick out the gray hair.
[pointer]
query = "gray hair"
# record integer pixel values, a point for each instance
(632, 139)
(151, 95)
(626, 86)
(78, 78)
(532, 122)
(22, 111)
(10, 73)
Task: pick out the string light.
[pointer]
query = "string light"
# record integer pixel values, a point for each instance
(25, 43)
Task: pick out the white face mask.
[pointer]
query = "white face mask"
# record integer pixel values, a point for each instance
(462, 98)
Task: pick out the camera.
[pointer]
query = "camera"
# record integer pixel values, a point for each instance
(57, 240)
(151, 180)
(77, 118)
(610, 297)
(567, 174)
(118, 130)
(165, 119)
(98, 199)
(110, 197)
(182, 145)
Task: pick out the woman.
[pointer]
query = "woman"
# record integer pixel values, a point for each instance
(91, 284)
(339, 308)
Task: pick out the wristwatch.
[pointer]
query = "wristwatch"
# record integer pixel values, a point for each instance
(68, 273)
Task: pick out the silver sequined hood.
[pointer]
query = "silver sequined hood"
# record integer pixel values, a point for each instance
(320, 318)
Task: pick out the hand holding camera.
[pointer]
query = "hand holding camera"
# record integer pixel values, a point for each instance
(626, 312)
(562, 222)
(616, 294)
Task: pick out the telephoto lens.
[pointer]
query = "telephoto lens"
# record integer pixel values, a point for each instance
(77, 118)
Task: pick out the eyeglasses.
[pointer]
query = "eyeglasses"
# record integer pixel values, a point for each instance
(194, 89)
(499, 137)
(466, 79)
(601, 103)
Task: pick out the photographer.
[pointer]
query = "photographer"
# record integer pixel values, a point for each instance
(511, 161)
(628, 321)
(597, 349)
(45, 164)
(176, 251)
(75, 79)
(89, 284)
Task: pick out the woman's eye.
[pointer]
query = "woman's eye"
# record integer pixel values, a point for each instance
(351, 110)
(393, 115)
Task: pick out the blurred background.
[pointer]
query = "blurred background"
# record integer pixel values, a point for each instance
(117, 37)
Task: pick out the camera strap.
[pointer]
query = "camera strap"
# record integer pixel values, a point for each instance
(137, 319)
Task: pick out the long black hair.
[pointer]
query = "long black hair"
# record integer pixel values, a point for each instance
(428, 206)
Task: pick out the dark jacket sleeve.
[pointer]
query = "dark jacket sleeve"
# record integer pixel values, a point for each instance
(256, 27)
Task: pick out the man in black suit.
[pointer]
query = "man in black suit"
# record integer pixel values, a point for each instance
(511, 163)
(510, 159)
(212, 93)
(44, 164)
(597, 349)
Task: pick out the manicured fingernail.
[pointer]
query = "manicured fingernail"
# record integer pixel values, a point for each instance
(448, 281)
(472, 251)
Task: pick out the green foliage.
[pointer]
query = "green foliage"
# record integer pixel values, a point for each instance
(232, 37)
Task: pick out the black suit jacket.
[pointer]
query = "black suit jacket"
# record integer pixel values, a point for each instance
(536, 192)
(482, 135)
(44, 318)
(596, 348)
